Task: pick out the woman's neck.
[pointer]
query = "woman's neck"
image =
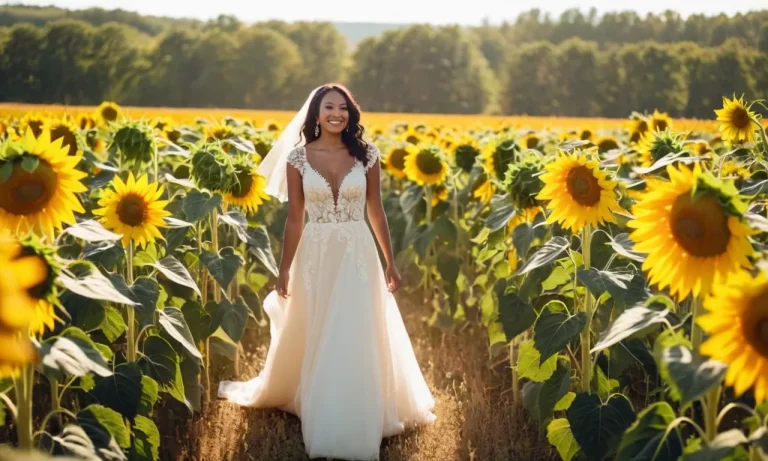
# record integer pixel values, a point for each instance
(330, 140)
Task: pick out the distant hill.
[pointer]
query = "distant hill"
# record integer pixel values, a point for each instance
(152, 25)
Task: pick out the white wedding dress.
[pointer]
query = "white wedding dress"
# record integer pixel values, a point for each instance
(339, 355)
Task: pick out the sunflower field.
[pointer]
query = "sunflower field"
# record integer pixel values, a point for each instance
(620, 272)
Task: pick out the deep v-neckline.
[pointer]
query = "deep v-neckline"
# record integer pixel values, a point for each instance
(334, 195)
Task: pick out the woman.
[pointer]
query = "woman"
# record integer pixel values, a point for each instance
(339, 355)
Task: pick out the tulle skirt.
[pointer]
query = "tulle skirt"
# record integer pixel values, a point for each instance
(339, 355)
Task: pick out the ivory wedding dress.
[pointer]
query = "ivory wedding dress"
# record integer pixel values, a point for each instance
(339, 355)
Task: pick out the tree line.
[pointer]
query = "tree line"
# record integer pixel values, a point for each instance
(545, 70)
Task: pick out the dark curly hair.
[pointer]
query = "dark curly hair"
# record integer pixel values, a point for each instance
(352, 136)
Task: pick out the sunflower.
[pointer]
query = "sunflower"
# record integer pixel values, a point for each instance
(660, 121)
(248, 190)
(579, 193)
(68, 133)
(465, 152)
(412, 136)
(530, 141)
(637, 127)
(736, 322)
(483, 189)
(38, 182)
(17, 275)
(654, 145)
(86, 121)
(731, 168)
(586, 134)
(133, 209)
(394, 161)
(606, 143)
(691, 227)
(439, 194)
(426, 166)
(736, 120)
(108, 112)
(35, 122)
(700, 148)
(44, 293)
(497, 155)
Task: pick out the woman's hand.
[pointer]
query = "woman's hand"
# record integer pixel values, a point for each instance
(393, 278)
(282, 284)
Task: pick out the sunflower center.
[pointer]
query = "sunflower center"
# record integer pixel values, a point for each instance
(37, 127)
(243, 185)
(700, 226)
(131, 210)
(583, 186)
(428, 164)
(660, 124)
(740, 118)
(754, 324)
(69, 139)
(25, 193)
(109, 114)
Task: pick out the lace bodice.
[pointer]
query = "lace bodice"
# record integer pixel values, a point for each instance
(318, 195)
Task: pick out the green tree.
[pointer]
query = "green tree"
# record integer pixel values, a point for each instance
(62, 63)
(19, 65)
(265, 62)
(579, 74)
(533, 85)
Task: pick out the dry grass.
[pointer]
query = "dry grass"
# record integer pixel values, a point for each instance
(475, 415)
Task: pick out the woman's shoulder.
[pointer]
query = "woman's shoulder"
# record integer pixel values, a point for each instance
(297, 158)
(372, 154)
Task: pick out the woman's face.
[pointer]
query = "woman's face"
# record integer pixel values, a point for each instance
(333, 116)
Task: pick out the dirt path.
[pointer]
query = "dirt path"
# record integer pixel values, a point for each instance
(475, 421)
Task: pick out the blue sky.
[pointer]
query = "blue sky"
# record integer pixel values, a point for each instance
(398, 11)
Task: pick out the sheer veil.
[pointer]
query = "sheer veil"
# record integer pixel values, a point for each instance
(273, 166)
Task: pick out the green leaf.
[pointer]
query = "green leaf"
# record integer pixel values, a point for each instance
(540, 398)
(193, 391)
(72, 352)
(515, 314)
(717, 450)
(121, 391)
(603, 384)
(197, 205)
(146, 440)
(624, 247)
(259, 244)
(113, 325)
(560, 436)
(666, 339)
(29, 163)
(92, 231)
(2, 413)
(411, 197)
(599, 282)
(528, 365)
(547, 254)
(691, 375)
(144, 293)
(161, 362)
(237, 221)
(94, 286)
(502, 211)
(628, 323)
(565, 403)
(176, 273)
(149, 394)
(645, 440)
(554, 329)
(598, 426)
(104, 427)
(223, 266)
(233, 317)
(72, 441)
(173, 322)
(449, 267)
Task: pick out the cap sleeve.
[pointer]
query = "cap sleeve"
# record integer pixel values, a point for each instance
(372, 155)
(298, 159)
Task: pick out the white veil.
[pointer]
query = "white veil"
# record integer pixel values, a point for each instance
(273, 166)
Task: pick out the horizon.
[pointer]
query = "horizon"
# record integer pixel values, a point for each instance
(398, 12)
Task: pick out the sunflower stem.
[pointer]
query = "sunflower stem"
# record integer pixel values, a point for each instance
(131, 334)
(428, 218)
(712, 400)
(695, 329)
(23, 389)
(586, 359)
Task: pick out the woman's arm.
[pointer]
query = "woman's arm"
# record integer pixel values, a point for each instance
(294, 226)
(379, 223)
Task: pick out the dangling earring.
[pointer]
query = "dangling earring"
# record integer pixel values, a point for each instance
(347, 128)
(317, 130)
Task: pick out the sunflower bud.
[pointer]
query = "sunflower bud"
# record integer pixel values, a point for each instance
(522, 182)
(212, 168)
(135, 141)
(262, 142)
